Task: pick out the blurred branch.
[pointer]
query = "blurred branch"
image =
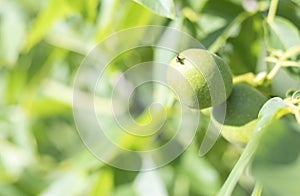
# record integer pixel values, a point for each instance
(289, 53)
(247, 78)
(69, 43)
(64, 94)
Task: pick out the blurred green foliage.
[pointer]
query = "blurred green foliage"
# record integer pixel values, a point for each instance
(42, 44)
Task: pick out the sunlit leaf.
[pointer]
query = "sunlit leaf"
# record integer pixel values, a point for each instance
(13, 160)
(141, 14)
(282, 34)
(116, 16)
(55, 10)
(150, 182)
(268, 111)
(126, 189)
(12, 32)
(71, 183)
(104, 184)
(160, 7)
(197, 5)
(91, 8)
(105, 20)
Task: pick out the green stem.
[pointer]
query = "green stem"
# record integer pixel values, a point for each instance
(292, 51)
(274, 71)
(290, 64)
(247, 78)
(228, 31)
(257, 190)
(240, 166)
(281, 60)
(272, 11)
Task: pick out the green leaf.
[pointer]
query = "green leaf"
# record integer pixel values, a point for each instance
(276, 165)
(269, 110)
(246, 47)
(115, 16)
(12, 32)
(223, 8)
(30, 182)
(282, 34)
(104, 184)
(10, 190)
(224, 18)
(91, 8)
(106, 18)
(14, 85)
(126, 189)
(197, 5)
(161, 7)
(230, 30)
(150, 182)
(13, 161)
(68, 183)
(279, 143)
(55, 10)
(289, 28)
(141, 15)
(294, 72)
(203, 177)
(296, 2)
(290, 11)
(210, 24)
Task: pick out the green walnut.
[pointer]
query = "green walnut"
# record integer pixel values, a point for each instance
(242, 108)
(200, 78)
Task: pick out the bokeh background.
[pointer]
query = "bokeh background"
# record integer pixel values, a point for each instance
(42, 44)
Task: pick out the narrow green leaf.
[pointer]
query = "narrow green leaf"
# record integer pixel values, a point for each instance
(105, 18)
(161, 7)
(91, 8)
(296, 2)
(246, 47)
(55, 10)
(12, 32)
(69, 183)
(203, 177)
(104, 184)
(140, 14)
(276, 164)
(269, 110)
(282, 34)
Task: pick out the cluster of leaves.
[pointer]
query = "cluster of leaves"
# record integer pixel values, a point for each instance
(42, 43)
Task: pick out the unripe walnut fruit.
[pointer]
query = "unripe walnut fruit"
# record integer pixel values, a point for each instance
(200, 78)
(242, 108)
